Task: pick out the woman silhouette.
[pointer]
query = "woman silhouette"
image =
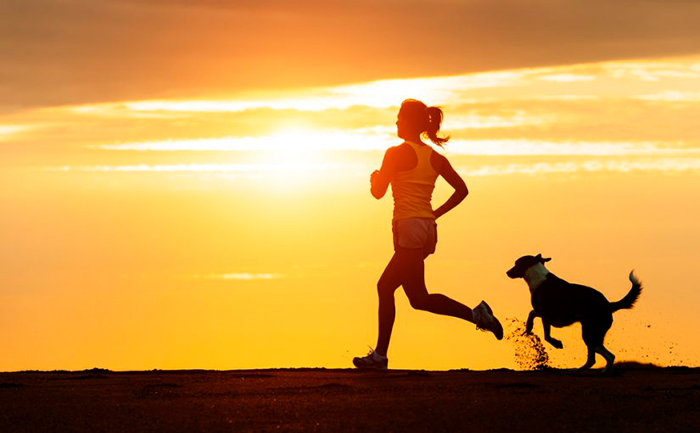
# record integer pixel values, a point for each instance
(412, 169)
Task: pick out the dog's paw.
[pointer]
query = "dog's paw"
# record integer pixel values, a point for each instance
(556, 343)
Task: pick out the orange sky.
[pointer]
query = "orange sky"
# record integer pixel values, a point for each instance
(199, 199)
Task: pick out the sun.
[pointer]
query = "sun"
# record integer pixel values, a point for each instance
(291, 158)
(290, 149)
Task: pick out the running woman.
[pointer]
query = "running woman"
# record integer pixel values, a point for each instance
(412, 169)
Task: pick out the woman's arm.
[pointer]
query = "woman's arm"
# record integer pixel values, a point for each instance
(379, 179)
(461, 191)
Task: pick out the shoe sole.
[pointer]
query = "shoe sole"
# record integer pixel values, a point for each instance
(366, 367)
(371, 368)
(488, 308)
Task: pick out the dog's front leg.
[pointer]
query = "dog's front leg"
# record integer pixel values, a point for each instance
(530, 322)
(553, 341)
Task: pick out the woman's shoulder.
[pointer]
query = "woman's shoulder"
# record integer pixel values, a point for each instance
(403, 145)
(401, 157)
(403, 154)
(399, 150)
(438, 161)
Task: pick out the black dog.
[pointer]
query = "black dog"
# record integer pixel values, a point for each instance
(561, 304)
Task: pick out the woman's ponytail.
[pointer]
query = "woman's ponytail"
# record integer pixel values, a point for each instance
(434, 122)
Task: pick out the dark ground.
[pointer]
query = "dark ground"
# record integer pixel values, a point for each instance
(632, 398)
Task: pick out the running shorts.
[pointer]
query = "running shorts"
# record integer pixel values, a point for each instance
(415, 233)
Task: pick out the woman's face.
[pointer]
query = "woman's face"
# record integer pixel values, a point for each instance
(401, 126)
(406, 127)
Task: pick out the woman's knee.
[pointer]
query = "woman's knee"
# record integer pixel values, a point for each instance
(419, 302)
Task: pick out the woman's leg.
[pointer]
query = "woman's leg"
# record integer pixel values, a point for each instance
(413, 280)
(387, 285)
(407, 268)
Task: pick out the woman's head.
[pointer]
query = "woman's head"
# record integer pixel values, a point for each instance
(415, 118)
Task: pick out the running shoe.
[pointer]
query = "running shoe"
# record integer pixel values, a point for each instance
(486, 321)
(373, 361)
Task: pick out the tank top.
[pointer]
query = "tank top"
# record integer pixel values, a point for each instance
(412, 189)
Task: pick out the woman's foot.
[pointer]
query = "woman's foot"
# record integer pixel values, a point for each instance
(373, 361)
(486, 321)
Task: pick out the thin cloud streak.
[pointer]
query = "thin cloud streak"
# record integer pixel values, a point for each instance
(292, 139)
(672, 96)
(278, 168)
(567, 148)
(242, 276)
(343, 141)
(12, 130)
(567, 78)
(662, 164)
(665, 165)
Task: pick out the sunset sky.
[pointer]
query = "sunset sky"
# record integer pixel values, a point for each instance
(185, 184)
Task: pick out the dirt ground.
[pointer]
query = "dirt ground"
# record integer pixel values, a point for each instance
(632, 398)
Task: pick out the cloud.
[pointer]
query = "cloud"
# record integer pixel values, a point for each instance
(375, 94)
(621, 112)
(82, 51)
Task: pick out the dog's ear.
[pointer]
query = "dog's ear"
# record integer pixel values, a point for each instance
(539, 257)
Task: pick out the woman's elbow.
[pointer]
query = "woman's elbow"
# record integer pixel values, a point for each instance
(463, 192)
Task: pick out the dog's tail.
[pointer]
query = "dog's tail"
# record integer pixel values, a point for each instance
(631, 297)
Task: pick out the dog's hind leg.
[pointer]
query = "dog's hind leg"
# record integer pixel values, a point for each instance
(609, 357)
(590, 361)
(593, 330)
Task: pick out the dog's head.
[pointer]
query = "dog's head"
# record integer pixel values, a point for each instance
(523, 264)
